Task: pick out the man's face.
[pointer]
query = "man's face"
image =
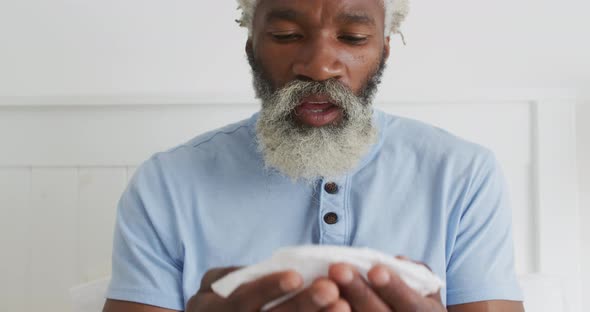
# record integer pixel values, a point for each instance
(316, 66)
(319, 40)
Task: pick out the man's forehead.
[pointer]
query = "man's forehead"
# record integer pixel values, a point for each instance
(347, 16)
(393, 12)
(361, 9)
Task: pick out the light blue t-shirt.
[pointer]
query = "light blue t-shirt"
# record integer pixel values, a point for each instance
(420, 192)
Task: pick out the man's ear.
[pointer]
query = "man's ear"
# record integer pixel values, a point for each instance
(386, 48)
(249, 47)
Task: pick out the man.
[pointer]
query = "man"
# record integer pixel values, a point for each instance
(317, 165)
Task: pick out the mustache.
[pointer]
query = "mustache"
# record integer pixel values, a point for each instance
(280, 105)
(267, 91)
(295, 91)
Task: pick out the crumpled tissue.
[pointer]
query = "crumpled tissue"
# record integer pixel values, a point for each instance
(314, 261)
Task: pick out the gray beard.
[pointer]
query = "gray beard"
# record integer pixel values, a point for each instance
(307, 153)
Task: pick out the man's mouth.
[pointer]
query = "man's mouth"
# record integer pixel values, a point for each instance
(318, 111)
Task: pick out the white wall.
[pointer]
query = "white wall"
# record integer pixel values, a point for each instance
(67, 52)
(583, 127)
(61, 176)
(178, 47)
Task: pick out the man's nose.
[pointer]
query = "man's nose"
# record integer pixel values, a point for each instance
(318, 60)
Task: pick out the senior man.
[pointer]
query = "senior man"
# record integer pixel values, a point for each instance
(317, 165)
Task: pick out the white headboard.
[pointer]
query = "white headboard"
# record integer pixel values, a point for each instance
(64, 165)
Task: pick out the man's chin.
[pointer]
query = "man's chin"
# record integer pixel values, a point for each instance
(309, 153)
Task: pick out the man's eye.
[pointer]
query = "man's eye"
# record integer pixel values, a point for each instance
(354, 39)
(286, 37)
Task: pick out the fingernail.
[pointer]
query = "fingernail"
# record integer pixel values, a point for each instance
(346, 276)
(322, 298)
(319, 299)
(290, 283)
(381, 277)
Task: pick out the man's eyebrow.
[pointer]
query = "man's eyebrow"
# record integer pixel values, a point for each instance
(281, 14)
(356, 18)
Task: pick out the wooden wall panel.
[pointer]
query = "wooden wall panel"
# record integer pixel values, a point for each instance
(15, 239)
(99, 192)
(55, 264)
(104, 136)
(519, 180)
(61, 212)
(557, 196)
(126, 136)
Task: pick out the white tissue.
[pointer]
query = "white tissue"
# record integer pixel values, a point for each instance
(314, 261)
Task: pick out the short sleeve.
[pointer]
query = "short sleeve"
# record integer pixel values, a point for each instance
(145, 265)
(481, 266)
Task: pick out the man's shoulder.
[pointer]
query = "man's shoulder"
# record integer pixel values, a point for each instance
(228, 138)
(429, 142)
(219, 137)
(204, 150)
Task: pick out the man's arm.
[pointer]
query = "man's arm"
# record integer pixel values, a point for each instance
(488, 306)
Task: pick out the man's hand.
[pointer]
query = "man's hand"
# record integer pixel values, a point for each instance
(385, 291)
(322, 295)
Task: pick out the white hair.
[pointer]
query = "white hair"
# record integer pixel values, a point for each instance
(395, 13)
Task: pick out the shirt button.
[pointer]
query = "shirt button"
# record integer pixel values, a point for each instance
(331, 218)
(331, 188)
